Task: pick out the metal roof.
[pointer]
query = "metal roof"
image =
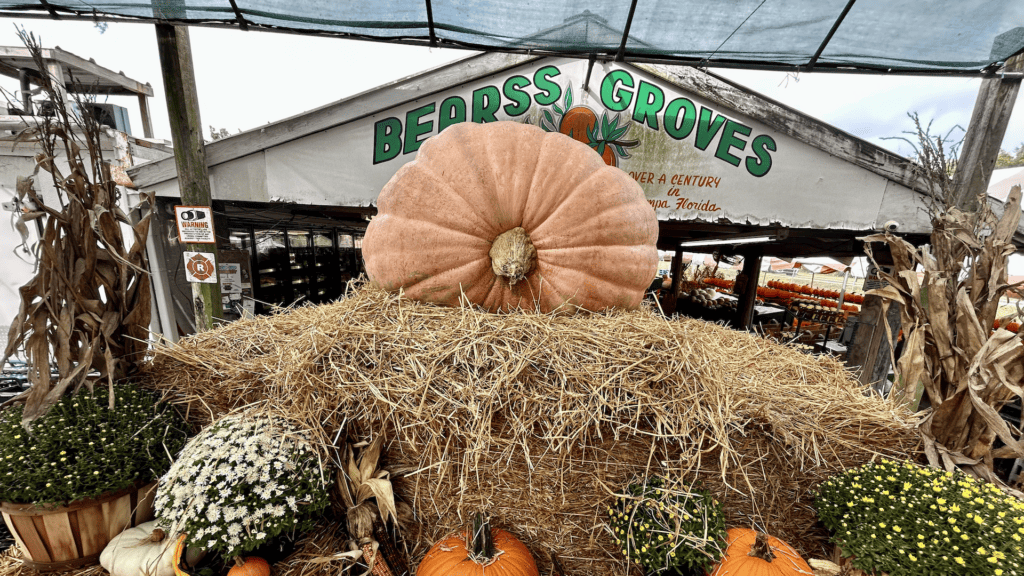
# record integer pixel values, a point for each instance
(966, 37)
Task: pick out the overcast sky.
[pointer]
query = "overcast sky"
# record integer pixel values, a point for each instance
(246, 79)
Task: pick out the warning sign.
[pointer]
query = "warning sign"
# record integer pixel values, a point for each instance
(195, 224)
(200, 267)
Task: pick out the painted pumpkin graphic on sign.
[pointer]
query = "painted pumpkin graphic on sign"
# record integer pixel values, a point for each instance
(581, 123)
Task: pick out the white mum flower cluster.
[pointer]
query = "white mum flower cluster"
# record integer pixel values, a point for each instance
(241, 482)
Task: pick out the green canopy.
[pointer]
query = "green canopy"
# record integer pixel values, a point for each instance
(971, 37)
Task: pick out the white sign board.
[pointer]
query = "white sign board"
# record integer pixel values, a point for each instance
(195, 224)
(200, 267)
(694, 159)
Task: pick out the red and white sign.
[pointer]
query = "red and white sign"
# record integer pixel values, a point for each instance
(200, 267)
(195, 224)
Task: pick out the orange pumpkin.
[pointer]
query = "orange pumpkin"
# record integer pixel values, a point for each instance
(752, 552)
(250, 566)
(514, 217)
(479, 550)
(179, 556)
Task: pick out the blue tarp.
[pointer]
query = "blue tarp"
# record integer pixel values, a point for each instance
(904, 36)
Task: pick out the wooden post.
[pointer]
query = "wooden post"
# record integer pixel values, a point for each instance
(748, 296)
(56, 72)
(147, 122)
(677, 282)
(189, 151)
(869, 353)
(985, 135)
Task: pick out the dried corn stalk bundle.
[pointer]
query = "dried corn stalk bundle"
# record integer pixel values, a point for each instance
(88, 307)
(967, 370)
(541, 418)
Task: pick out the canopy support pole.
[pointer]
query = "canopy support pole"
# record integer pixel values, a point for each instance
(430, 25)
(985, 135)
(242, 24)
(828, 37)
(189, 152)
(49, 8)
(590, 68)
(620, 56)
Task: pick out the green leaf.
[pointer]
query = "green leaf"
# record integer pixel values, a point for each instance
(605, 127)
(547, 116)
(621, 151)
(557, 109)
(617, 133)
(568, 97)
(601, 147)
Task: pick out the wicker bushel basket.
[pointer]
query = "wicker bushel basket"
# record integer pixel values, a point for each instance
(72, 536)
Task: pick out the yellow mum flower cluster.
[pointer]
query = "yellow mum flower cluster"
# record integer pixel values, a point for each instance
(933, 521)
(664, 526)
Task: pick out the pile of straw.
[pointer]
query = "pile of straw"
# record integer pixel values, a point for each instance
(539, 419)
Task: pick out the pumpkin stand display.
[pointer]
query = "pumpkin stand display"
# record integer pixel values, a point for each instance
(501, 345)
(540, 418)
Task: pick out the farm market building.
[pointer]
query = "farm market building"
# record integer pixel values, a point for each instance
(715, 160)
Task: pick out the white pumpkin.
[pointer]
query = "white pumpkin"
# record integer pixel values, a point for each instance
(134, 553)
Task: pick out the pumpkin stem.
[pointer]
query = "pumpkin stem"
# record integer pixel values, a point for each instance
(513, 255)
(481, 544)
(761, 549)
(239, 561)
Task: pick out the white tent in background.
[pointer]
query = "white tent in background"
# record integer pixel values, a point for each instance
(815, 266)
(776, 264)
(812, 265)
(824, 265)
(1003, 180)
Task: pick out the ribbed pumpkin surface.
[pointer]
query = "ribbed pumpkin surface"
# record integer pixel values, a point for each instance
(252, 566)
(738, 562)
(450, 558)
(593, 229)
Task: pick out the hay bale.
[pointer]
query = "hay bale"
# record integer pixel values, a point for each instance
(540, 418)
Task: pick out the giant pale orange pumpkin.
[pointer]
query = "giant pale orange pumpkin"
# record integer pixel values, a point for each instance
(479, 550)
(749, 552)
(512, 216)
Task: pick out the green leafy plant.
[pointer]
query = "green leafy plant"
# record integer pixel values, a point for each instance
(667, 527)
(82, 447)
(241, 482)
(904, 519)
